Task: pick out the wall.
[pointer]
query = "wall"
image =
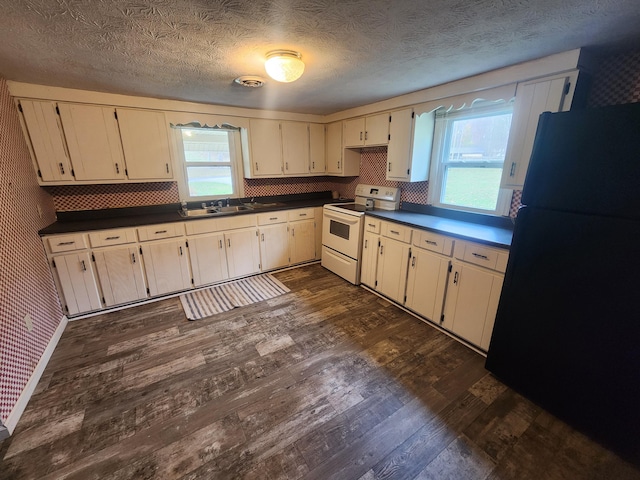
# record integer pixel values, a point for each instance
(26, 286)
(617, 80)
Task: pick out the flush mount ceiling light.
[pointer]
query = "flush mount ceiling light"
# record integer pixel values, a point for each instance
(284, 65)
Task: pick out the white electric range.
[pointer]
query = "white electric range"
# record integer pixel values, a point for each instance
(343, 226)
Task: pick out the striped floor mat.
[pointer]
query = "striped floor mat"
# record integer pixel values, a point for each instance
(227, 296)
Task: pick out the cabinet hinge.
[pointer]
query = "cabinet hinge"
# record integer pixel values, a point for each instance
(93, 257)
(567, 87)
(450, 268)
(115, 114)
(187, 243)
(259, 266)
(104, 301)
(192, 282)
(126, 172)
(57, 110)
(389, 118)
(39, 173)
(389, 137)
(53, 263)
(375, 283)
(148, 292)
(413, 114)
(442, 318)
(141, 252)
(409, 254)
(73, 174)
(408, 171)
(19, 107)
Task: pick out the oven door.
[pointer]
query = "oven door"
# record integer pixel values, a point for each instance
(341, 232)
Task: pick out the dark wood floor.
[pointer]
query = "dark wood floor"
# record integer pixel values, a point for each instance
(327, 381)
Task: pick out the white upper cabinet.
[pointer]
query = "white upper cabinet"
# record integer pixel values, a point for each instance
(295, 148)
(341, 162)
(410, 142)
(316, 148)
(367, 131)
(266, 148)
(93, 141)
(145, 142)
(47, 141)
(549, 94)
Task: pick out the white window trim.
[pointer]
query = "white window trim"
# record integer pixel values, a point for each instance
(436, 174)
(181, 170)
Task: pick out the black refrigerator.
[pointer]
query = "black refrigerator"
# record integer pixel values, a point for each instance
(567, 331)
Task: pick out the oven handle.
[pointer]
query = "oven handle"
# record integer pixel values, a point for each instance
(343, 218)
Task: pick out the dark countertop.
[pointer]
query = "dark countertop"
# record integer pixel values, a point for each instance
(496, 234)
(88, 220)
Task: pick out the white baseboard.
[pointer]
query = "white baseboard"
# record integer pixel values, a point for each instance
(25, 396)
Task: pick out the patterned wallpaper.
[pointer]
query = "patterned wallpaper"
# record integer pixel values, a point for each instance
(617, 80)
(26, 286)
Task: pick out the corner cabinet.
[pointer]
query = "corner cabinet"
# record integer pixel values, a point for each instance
(341, 162)
(549, 94)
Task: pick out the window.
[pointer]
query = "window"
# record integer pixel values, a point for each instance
(209, 163)
(469, 152)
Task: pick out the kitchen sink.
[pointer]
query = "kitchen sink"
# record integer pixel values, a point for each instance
(213, 211)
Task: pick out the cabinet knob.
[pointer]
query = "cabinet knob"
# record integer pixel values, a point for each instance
(61, 168)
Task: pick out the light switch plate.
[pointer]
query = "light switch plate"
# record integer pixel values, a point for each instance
(28, 322)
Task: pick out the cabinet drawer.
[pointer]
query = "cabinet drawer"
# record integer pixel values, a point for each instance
(300, 214)
(396, 231)
(158, 232)
(493, 258)
(433, 241)
(105, 238)
(66, 243)
(371, 225)
(272, 217)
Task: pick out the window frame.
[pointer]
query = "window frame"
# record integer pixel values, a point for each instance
(235, 156)
(438, 166)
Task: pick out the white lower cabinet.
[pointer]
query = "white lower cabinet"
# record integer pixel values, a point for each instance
(274, 246)
(120, 274)
(302, 241)
(166, 264)
(77, 282)
(243, 252)
(426, 283)
(393, 259)
(369, 259)
(208, 256)
(472, 302)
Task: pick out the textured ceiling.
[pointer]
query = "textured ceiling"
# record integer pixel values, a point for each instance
(356, 52)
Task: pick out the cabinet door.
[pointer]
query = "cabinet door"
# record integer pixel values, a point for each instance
(354, 132)
(316, 148)
(318, 221)
(393, 260)
(47, 140)
(302, 241)
(120, 274)
(208, 259)
(167, 266)
(243, 252)
(399, 150)
(377, 130)
(274, 246)
(77, 282)
(472, 302)
(369, 259)
(295, 148)
(427, 283)
(532, 98)
(145, 143)
(266, 147)
(334, 148)
(93, 141)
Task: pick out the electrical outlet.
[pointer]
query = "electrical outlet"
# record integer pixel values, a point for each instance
(28, 322)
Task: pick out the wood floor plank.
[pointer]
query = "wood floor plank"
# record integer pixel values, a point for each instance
(326, 381)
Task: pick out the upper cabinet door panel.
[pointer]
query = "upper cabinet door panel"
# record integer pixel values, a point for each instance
(354, 132)
(266, 148)
(93, 141)
(377, 130)
(47, 140)
(295, 148)
(316, 148)
(145, 142)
